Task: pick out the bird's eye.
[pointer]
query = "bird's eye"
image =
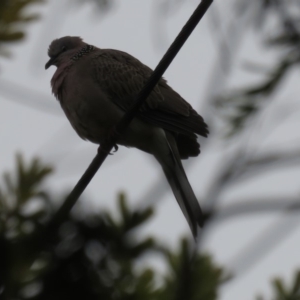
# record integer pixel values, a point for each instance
(63, 48)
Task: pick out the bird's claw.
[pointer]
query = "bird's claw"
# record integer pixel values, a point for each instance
(104, 147)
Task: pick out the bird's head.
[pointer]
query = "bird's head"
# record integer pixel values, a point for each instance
(63, 48)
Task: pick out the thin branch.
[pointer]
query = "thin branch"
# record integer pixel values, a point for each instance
(235, 172)
(255, 206)
(128, 117)
(238, 169)
(266, 242)
(263, 163)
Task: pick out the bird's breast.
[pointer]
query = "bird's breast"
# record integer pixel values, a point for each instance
(89, 110)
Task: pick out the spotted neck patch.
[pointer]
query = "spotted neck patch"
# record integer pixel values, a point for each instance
(83, 51)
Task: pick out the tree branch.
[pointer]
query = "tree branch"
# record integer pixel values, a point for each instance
(267, 205)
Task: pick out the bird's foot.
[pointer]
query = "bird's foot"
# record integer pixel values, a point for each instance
(107, 142)
(103, 149)
(116, 148)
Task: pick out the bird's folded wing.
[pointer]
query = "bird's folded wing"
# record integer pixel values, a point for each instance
(122, 77)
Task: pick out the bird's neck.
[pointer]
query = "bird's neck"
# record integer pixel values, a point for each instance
(86, 49)
(63, 67)
(58, 78)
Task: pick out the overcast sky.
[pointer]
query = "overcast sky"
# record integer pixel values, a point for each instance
(39, 128)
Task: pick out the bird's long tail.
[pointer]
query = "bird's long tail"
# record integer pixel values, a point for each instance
(181, 187)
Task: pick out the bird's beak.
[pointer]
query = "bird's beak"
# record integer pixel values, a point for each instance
(50, 62)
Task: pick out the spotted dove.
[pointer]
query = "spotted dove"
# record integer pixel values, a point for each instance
(95, 87)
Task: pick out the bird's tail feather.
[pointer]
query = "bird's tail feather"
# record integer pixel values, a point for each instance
(182, 189)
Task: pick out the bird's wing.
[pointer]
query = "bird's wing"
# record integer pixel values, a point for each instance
(121, 77)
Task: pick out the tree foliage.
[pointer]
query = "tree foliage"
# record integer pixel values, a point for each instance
(283, 292)
(12, 20)
(94, 257)
(239, 106)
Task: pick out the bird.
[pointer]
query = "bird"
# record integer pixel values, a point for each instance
(96, 87)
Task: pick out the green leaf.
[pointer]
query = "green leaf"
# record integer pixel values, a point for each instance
(12, 20)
